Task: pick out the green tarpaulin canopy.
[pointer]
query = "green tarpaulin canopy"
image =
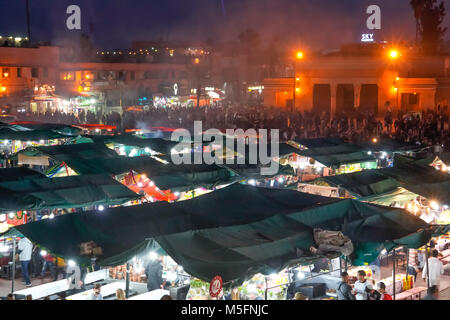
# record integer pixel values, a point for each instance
(66, 192)
(20, 173)
(334, 160)
(234, 232)
(362, 183)
(78, 151)
(12, 232)
(96, 158)
(254, 171)
(156, 144)
(15, 201)
(56, 127)
(399, 195)
(165, 176)
(319, 142)
(29, 135)
(407, 173)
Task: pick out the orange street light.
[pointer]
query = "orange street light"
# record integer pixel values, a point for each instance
(394, 54)
(3, 89)
(197, 60)
(6, 74)
(299, 55)
(297, 89)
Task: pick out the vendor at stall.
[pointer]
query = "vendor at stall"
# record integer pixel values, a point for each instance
(362, 287)
(153, 271)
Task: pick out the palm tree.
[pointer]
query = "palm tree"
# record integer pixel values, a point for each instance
(417, 6)
(28, 20)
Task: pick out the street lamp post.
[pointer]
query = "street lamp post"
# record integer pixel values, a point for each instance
(298, 56)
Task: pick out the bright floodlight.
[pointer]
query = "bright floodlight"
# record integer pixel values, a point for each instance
(43, 253)
(71, 263)
(101, 208)
(434, 205)
(153, 255)
(369, 153)
(394, 54)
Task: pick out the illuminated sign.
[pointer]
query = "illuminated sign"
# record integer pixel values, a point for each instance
(367, 37)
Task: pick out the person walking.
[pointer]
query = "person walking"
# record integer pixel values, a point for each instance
(436, 269)
(25, 248)
(49, 263)
(432, 293)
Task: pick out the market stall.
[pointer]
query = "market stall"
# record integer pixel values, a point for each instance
(242, 225)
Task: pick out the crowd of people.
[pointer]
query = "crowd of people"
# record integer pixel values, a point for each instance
(430, 127)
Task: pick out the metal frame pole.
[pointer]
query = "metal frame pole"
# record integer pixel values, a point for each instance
(407, 262)
(127, 281)
(267, 286)
(13, 271)
(428, 267)
(393, 275)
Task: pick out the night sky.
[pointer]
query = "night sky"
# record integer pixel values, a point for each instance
(319, 24)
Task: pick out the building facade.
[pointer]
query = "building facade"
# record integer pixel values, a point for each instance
(38, 76)
(345, 83)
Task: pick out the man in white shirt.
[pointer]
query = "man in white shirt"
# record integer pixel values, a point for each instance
(436, 269)
(362, 287)
(25, 249)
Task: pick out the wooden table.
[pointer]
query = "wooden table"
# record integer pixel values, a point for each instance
(106, 290)
(410, 293)
(152, 295)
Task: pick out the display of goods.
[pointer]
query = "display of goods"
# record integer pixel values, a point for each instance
(407, 283)
(354, 272)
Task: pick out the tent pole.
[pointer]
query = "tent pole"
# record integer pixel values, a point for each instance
(428, 268)
(127, 281)
(13, 271)
(407, 262)
(267, 286)
(393, 275)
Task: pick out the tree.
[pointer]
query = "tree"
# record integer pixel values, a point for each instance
(432, 33)
(417, 6)
(250, 41)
